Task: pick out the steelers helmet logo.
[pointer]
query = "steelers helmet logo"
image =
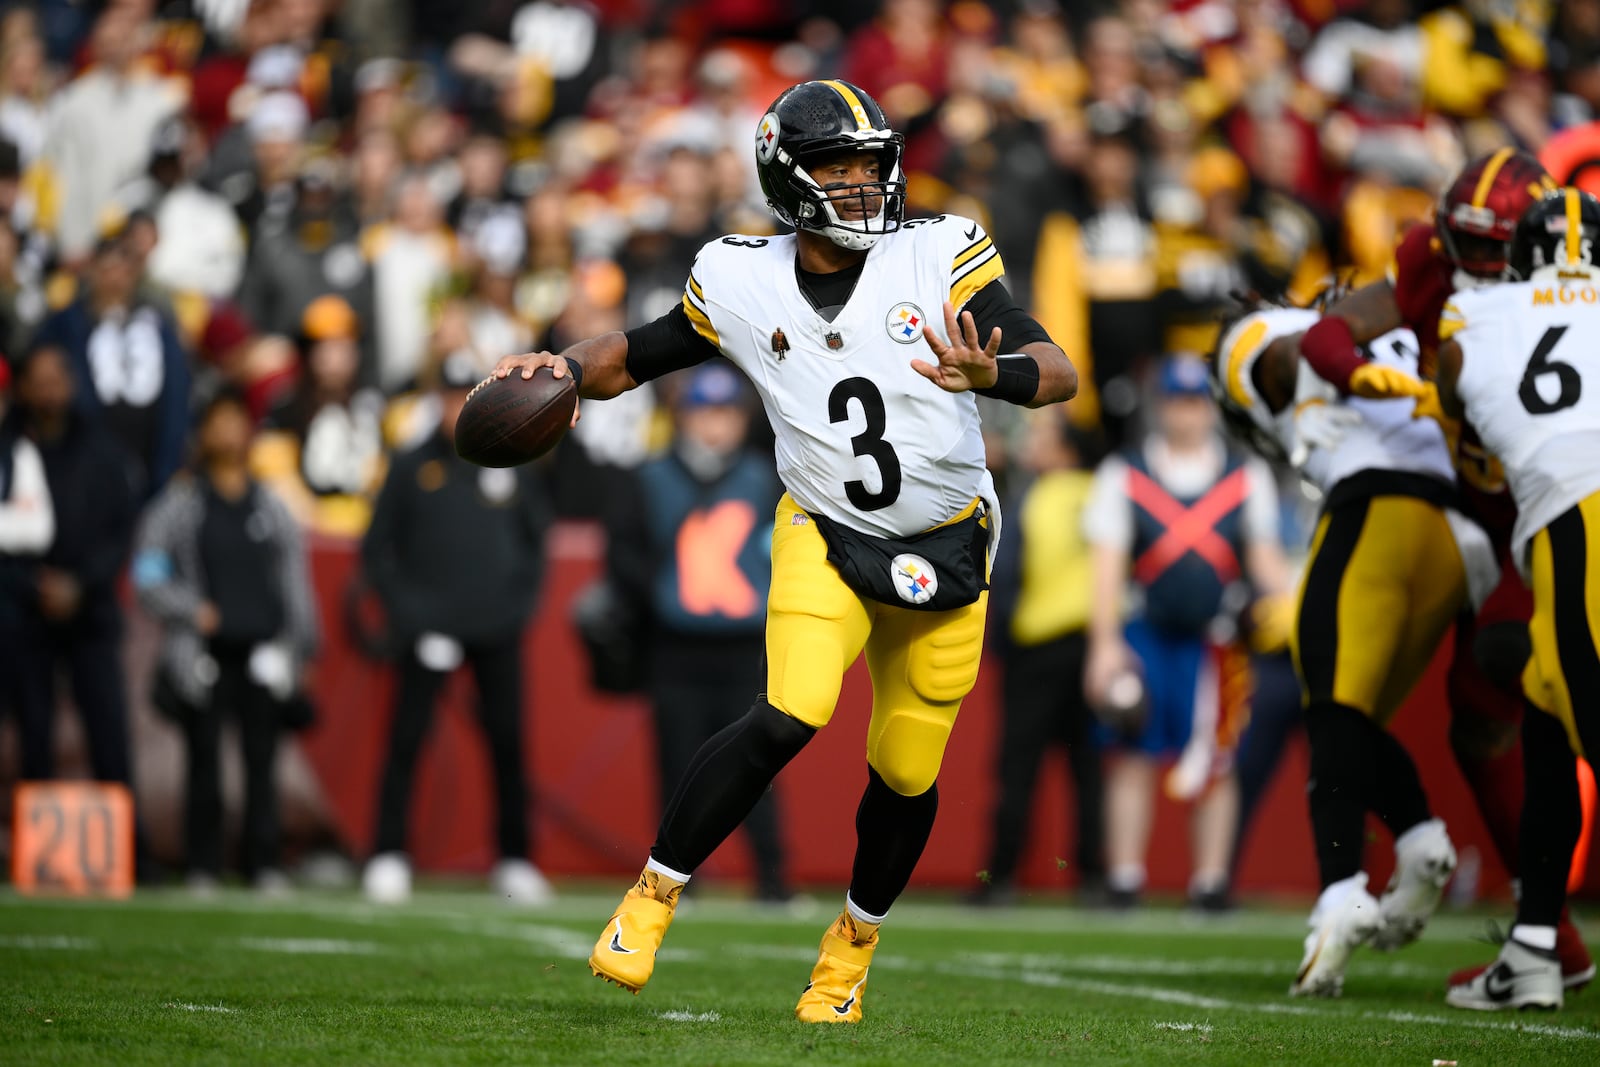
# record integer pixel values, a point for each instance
(904, 323)
(767, 137)
(913, 577)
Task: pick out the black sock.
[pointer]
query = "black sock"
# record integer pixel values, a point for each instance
(1552, 818)
(1342, 786)
(891, 830)
(1398, 797)
(724, 781)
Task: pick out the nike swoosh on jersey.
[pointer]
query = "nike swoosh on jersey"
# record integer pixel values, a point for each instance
(972, 234)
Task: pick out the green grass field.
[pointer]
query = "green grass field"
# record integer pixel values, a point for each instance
(455, 978)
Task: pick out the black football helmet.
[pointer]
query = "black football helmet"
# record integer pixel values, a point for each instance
(820, 118)
(1556, 238)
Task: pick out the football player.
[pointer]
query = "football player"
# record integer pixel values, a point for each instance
(866, 336)
(1463, 248)
(1513, 360)
(1391, 565)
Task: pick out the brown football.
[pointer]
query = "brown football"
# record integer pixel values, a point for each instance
(507, 421)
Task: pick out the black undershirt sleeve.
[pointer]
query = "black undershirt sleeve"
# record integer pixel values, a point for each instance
(669, 343)
(992, 306)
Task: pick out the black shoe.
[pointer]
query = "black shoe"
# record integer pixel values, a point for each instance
(1122, 899)
(1092, 893)
(1211, 902)
(770, 891)
(993, 894)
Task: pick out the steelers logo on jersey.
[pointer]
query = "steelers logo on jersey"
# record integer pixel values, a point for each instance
(914, 578)
(904, 322)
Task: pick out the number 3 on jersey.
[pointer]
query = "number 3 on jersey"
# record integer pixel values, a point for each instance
(869, 442)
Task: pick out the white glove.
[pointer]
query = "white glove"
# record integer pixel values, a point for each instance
(440, 652)
(1325, 425)
(272, 668)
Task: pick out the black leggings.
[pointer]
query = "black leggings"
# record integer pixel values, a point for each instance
(1044, 705)
(235, 695)
(497, 668)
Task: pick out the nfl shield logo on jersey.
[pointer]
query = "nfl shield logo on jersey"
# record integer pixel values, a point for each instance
(905, 323)
(913, 578)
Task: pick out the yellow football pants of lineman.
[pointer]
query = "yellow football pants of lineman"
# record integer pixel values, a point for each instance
(922, 662)
(1381, 587)
(1562, 677)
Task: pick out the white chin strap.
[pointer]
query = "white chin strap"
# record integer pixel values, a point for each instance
(858, 234)
(846, 236)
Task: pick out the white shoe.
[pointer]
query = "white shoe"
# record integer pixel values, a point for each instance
(520, 882)
(1424, 860)
(387, 879)
(272, 883)
(1522, 977)
(1345, 918)
(202, 884)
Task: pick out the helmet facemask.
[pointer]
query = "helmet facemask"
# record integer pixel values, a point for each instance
(1477, 243)
(869, 209)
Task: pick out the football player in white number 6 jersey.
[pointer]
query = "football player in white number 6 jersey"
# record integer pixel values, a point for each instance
(866, 336)
(1519, 362)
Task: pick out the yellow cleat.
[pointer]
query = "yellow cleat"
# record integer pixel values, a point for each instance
(839, 980)
(626, 952)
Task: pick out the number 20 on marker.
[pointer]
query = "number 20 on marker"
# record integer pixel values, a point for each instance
(72, 839)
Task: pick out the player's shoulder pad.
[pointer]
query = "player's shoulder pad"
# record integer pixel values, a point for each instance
(1453, 318)
(729, 257)
(1473, 307)
(974, 259)
(724, 272)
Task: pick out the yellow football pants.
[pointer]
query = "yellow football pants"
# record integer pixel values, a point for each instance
(1383, 583)
(1566, 620)
(922, 662)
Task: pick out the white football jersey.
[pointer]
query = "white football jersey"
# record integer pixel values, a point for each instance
(1530, 383)
(1328, 438)
(860, 436)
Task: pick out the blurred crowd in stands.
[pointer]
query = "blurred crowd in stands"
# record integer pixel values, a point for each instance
(305, 211)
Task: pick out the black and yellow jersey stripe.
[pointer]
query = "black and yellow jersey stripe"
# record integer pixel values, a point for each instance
(694, 305)
(974, 267)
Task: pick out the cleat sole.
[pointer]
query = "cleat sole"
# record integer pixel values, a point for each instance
(604, 977)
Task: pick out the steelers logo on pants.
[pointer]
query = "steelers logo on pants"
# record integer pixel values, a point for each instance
(914, 578)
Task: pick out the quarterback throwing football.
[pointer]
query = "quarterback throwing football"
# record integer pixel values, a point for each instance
(866, 336)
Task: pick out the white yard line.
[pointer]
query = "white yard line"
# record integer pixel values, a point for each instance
(1195, 1000)
(462, 914)
(1185, 1028)
(1032, 969)
(310, 946)
(689, 1016)
(1214, 965)
(446, 905)
(77, 944)
(217, 1008)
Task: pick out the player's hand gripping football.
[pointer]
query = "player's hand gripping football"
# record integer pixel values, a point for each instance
(529, 362)
(963, 363)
